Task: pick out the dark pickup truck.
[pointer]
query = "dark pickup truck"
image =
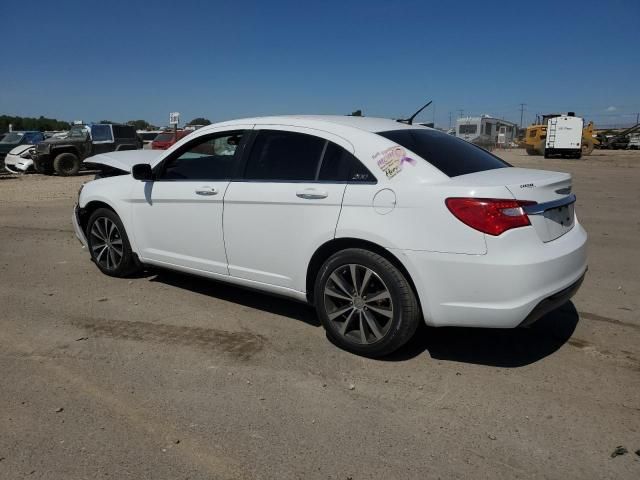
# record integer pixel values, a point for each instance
(64, 156)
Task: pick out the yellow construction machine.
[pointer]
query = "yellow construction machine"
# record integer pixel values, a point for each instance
(535, 137)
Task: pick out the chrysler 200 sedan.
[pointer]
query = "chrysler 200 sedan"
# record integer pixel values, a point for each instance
(378, 224)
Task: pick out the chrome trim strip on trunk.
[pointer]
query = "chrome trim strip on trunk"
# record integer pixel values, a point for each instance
(540, 208)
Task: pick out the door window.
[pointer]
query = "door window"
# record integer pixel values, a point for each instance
(101, 133)
(211, 157)
(338, 165)
(284, 156)
(124, 131)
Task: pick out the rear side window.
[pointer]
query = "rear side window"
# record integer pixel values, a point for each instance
(288, 156)
(338, 165)
(123, 131)
(451, 155)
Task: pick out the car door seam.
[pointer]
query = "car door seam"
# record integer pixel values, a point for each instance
(224, 239)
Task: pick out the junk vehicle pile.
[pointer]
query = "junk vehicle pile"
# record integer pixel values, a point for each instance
(63, 153)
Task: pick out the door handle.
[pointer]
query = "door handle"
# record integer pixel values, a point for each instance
(207, 191)
(312, 194)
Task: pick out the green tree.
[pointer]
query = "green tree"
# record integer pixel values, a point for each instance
(357, 113)
(29, 123)
(141, 125)
(200, 121)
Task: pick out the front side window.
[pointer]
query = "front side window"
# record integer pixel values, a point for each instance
(452, 156)
(101, 133)
(487, 128)
(211, 157)
(285, 156)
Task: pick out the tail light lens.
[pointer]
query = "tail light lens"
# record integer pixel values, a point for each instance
(493, 216)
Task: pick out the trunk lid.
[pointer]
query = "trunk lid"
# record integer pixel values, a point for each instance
(554, 214)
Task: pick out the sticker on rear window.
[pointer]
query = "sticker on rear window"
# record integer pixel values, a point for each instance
(391, 160)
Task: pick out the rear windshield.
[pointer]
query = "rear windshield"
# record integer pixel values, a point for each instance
(164, 137)
(451, 155)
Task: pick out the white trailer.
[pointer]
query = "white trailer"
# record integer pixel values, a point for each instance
(564, 137)
(486, 131)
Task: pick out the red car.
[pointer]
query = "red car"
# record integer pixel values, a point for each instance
(166, 139)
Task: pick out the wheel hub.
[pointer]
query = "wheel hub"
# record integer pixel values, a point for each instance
(358, 304)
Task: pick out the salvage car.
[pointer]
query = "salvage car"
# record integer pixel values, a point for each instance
(379, 224)
(18, 138)
(64, 155)
(20, 159)
(166, 139)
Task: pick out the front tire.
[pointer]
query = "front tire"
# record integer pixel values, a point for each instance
(109, 245)
(66, 164)
(365, 303)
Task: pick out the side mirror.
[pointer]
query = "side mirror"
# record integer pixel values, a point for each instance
(142, 171)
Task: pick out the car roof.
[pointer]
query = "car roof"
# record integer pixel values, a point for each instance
(368, 124)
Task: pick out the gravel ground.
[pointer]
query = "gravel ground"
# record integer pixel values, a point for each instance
(168, 376)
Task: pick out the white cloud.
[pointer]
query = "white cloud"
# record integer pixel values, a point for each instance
(611, 109)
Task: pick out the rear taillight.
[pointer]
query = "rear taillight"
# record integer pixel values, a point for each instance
(490, 215)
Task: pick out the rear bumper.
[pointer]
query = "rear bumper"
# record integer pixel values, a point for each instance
(502, 288)
(551, 303)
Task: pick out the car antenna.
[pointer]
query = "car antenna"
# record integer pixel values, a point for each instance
(409, 121)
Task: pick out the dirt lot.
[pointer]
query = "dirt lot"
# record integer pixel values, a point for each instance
(167, 376)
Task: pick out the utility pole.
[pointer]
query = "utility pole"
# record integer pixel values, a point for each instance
(449, 120)
(522, 105)
(637, 118)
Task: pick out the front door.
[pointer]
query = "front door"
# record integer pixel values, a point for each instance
(177, 217)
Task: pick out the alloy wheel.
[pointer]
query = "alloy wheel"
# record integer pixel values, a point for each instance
(106, 243)
(358, 304)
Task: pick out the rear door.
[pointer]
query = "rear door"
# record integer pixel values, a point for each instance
(280, 212)
(177, 218)
(101, 139)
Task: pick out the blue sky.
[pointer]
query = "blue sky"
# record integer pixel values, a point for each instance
(124, 60)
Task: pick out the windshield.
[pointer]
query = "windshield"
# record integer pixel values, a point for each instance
(77, 132)
(13, 137)
(451, 155)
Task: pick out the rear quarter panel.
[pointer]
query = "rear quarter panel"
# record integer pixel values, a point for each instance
(419, 219)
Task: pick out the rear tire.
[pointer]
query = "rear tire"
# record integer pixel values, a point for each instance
(66, 164)
(365, 303)
(109, 244)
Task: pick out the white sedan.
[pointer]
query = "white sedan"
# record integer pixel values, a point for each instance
(379, 224)
(19, 159)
